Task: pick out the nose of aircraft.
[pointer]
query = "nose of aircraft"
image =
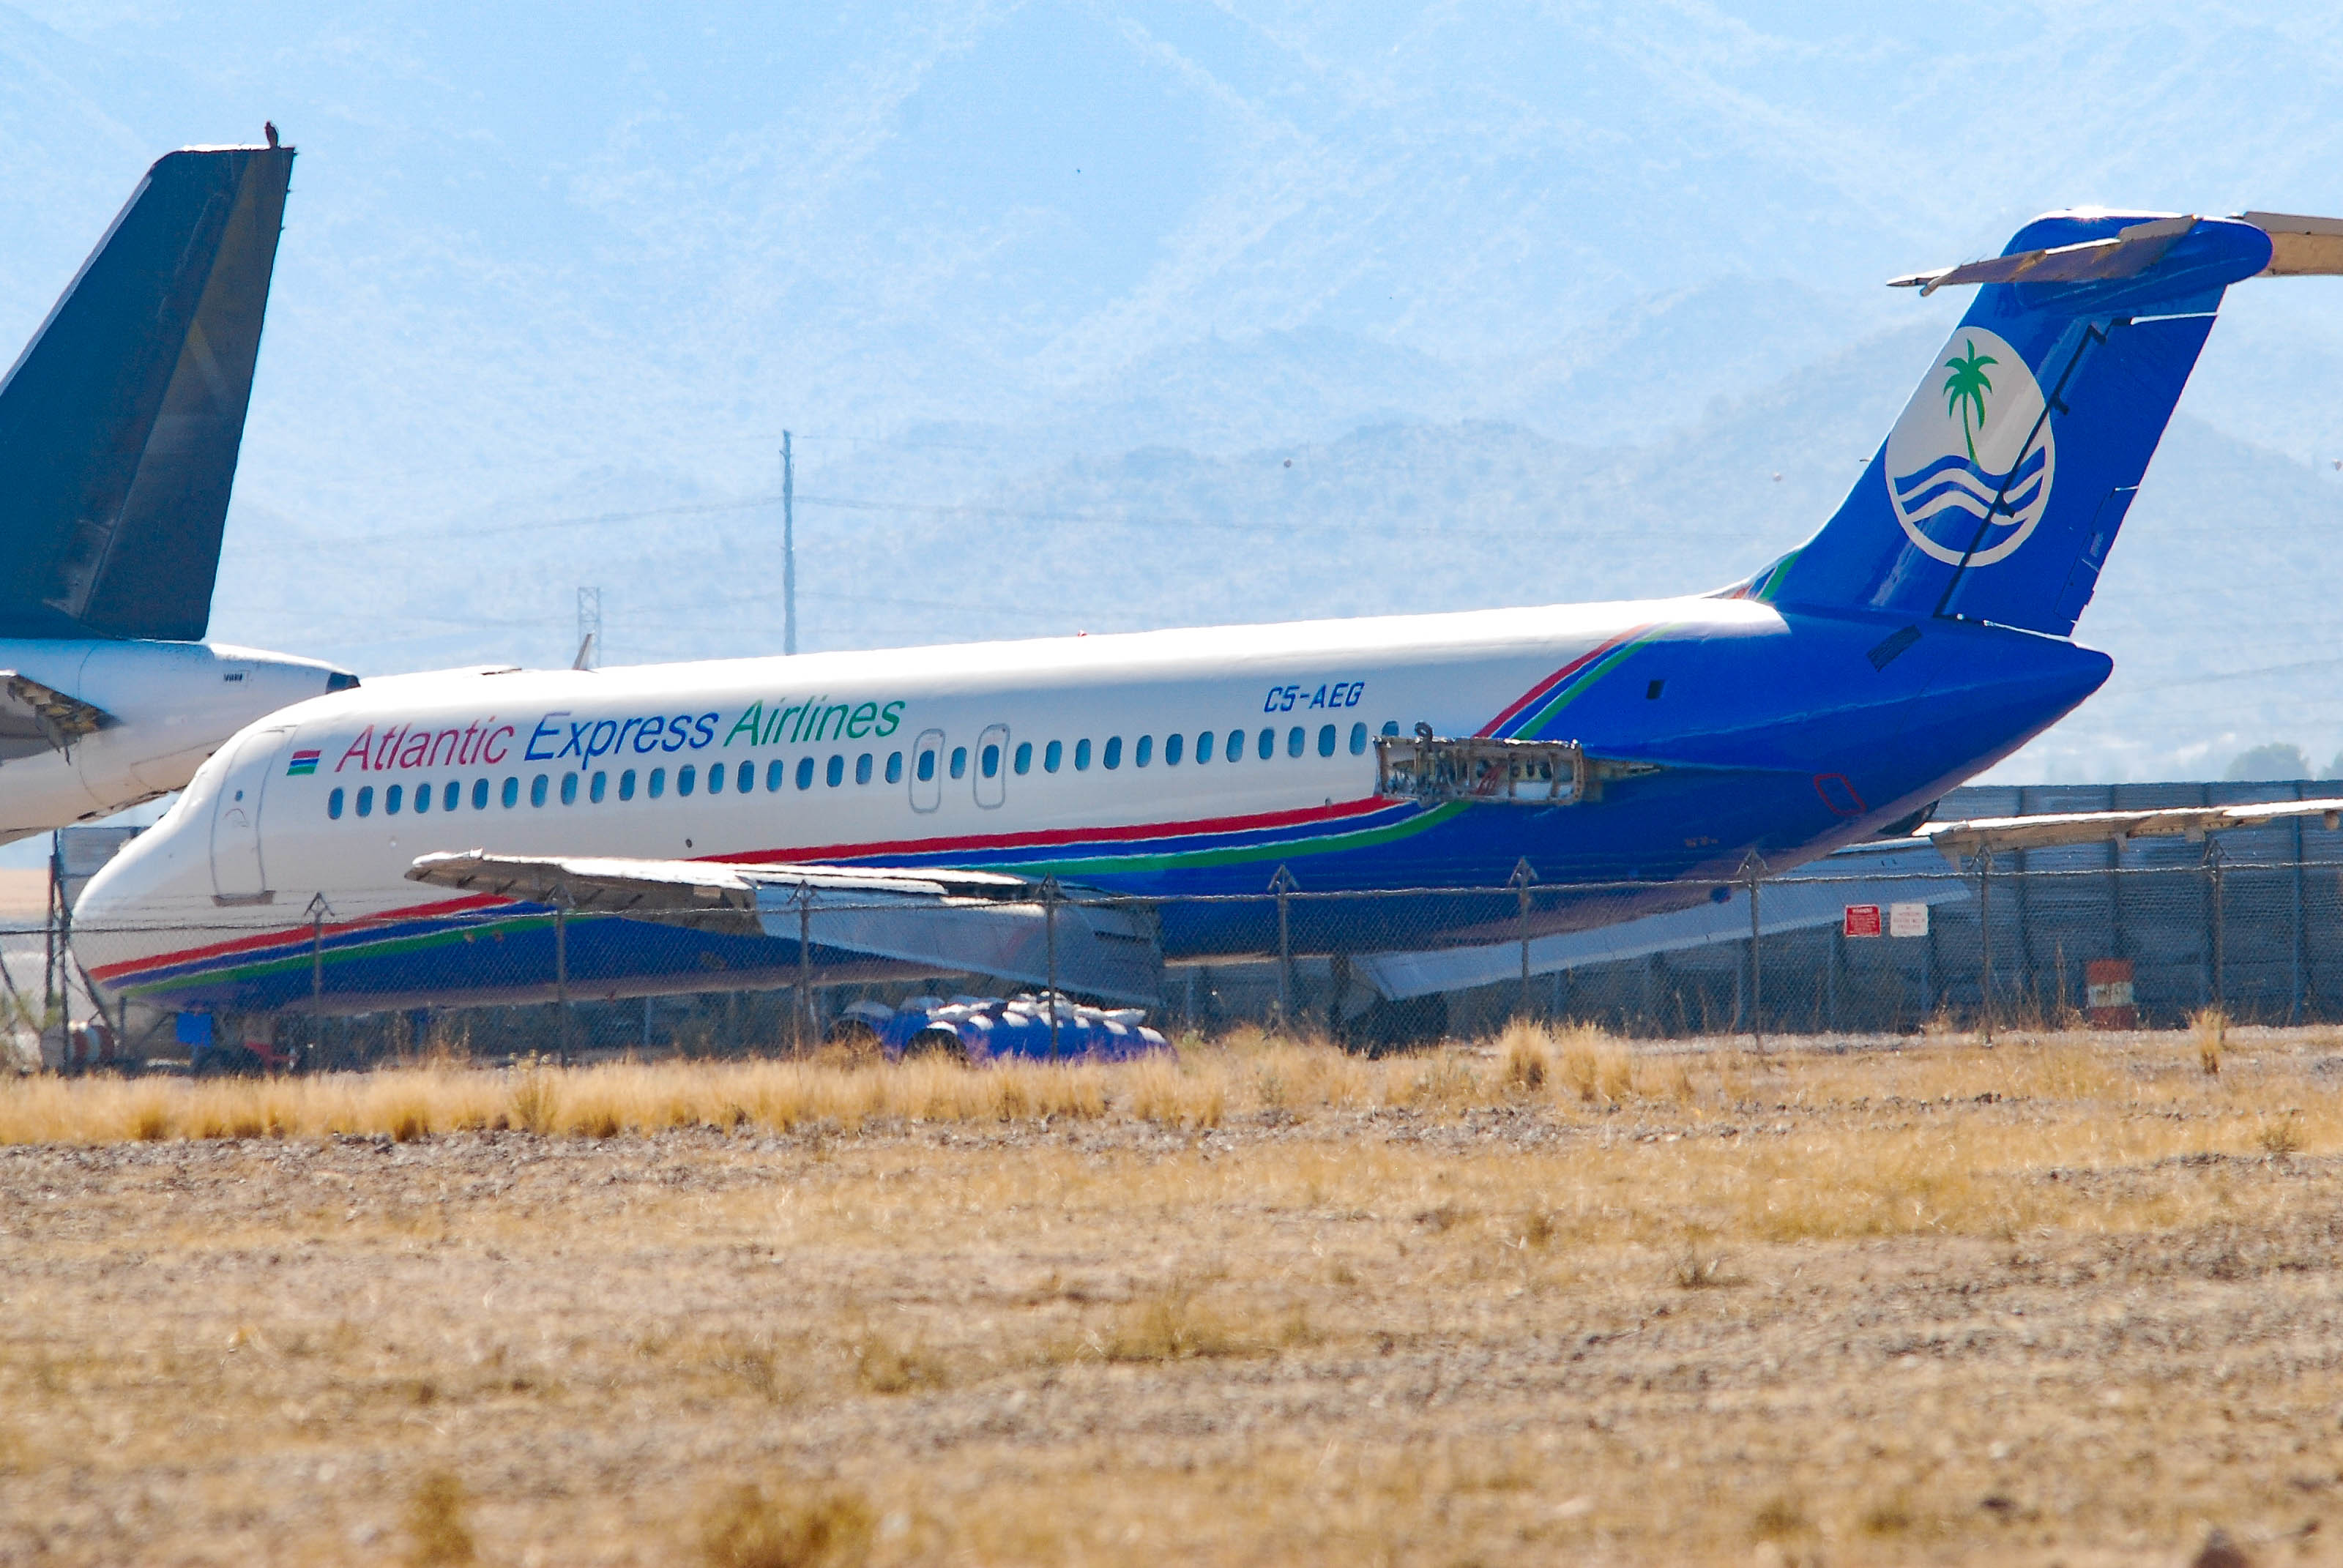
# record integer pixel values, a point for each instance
(142, 902)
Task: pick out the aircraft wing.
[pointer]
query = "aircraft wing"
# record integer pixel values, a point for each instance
(1980, 834)
(35, 717)
(953, 922)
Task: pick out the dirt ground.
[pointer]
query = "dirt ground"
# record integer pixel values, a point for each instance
(2052, 1303)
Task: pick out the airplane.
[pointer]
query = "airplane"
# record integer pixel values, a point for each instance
(1077, 812)
(119, 429)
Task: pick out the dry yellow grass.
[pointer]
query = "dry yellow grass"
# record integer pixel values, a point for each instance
(1552, 1298)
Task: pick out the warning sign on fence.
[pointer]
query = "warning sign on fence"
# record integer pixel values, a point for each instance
(1907, 919)
(2107, 994)
(1862, 920)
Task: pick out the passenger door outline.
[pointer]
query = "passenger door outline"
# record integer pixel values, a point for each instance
(928, 793)
(990, 792)
(238, 875)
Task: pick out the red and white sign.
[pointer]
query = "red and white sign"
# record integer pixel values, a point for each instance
(2107, 994)
(1863, 921)
(1907, 919)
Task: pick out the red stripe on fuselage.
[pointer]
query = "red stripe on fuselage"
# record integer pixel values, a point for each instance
(1556, 679)
(1054, 836)
(274, 938)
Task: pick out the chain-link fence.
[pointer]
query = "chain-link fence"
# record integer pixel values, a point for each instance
(1881, 940)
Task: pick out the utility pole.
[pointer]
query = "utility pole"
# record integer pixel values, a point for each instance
(788, 547)
(589, 628)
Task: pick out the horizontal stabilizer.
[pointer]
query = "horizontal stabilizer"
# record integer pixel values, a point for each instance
(944, 921)
(2129, 254)
(2300, 247)
(35, 717)
(1982, 834)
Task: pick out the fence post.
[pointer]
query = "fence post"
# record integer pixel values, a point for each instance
(317, 980)
(1753, 870)
(561, 966)
(1524, 875)
(1049, 942)
(1281, 884)
(2220, 925)
(1985, 940)
(805, 1020)
(2297, 954)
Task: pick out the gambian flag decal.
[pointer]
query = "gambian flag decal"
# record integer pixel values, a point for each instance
(303, 762)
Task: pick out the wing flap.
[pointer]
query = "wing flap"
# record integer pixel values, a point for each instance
(36, 718)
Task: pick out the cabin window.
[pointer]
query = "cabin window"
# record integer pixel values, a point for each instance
(658, 782)
(1236, 746)
(601, 787)
(805, 773)
(777, 773)
(1053, 755)
(1357, 739)
(686, 779)
(1205, 747)
(927, 766)
(366, 801)
(536, 790)
(391, 797)
(1144, 752)
(1171, 744)
(422, 799)
(627, 784)
(1391, 726)
(570, 788)
(988, 760)
(960, 762)
(862, 768)
(715, 779)
(744, 778)
(894, 767)
(1113, 758)
(835, 774)
(480, 794)
(1296, 738)
(1325, 740)
(1082, 754)
(1268, 744)
(1024, 762)
(334, 804)
(451, 797)
(511, 793)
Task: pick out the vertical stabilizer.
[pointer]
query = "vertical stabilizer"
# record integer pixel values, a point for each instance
(120, 423)
(1999, 494)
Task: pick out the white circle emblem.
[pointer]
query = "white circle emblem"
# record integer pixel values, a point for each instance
(1970, 461)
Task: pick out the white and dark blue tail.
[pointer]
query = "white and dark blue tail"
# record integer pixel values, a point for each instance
(2000, 492)
(120, 423)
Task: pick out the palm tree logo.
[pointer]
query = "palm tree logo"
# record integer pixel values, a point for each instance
(1965, 389)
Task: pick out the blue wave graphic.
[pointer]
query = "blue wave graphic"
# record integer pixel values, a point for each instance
(1961, 485)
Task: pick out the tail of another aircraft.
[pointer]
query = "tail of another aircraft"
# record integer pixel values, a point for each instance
(120, 423)
(2001, 488)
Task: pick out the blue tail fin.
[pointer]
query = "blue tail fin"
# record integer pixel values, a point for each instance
(1999, 491)
(119, 424)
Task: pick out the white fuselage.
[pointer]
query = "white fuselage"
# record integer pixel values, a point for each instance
(173, 704)
(914, 752)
